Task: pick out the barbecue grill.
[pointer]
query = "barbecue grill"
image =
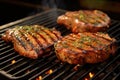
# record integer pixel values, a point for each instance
(16, 67)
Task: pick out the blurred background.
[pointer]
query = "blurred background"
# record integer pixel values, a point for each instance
(11, 10)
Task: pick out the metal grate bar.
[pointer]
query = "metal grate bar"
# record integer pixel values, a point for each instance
(1, 42)
(43, 71)
(117, 77)
(113, 28)
(83, 75)
(8, 60)
(17, 66)
(26, 68)
(5, 52)
(117, 36)
(112, 71)
(42, 18)
(60, 71)
(31, 64)
(32, 70)
(4, 44)
(61, 74)
(114, 31)
(11, 65)
(55, 72)
(36, 19)
(5, 48)
(102, 70)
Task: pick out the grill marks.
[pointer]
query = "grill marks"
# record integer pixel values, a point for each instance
(31, 41)
(72, 44)
(52, 35)
(85, 41)
(85, 47)
(19, 40)
(95, 16)
(85, 21)
(34, 38)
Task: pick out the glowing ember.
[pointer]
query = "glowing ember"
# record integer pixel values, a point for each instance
(86, 79)
(49, 71)
(76, 67)
(13, 61)
(39, 78)
(91, 75)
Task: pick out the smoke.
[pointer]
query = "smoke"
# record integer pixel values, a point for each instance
(53, 3)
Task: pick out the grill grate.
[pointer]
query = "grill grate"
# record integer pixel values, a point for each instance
(29, 69)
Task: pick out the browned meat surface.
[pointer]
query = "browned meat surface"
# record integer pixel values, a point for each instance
(85, 47)
(32, 41)
(85, 21)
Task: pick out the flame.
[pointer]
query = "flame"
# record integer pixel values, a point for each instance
(39, 78)
(91, 75)
(49, 71)
(13, 61)
(86, 79)
(76, 67)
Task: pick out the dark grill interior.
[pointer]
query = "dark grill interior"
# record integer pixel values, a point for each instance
(29, 69)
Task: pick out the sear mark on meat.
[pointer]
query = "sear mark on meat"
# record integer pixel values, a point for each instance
(85, 48)
(32, 41)
(85, 21)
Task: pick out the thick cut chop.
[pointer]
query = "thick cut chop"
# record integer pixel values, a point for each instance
(85, 47)
(32, 41)
(85, 21)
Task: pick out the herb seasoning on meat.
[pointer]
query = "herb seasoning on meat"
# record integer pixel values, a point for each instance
(85, 21)
(85, 48)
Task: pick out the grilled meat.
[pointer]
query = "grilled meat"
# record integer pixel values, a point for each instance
(85, 48)
(32, 41)
(85, 21)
